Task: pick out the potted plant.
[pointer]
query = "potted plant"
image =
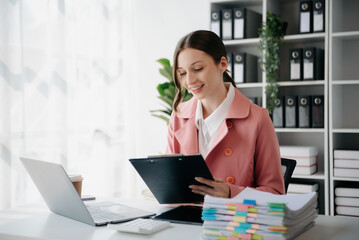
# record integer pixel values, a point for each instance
(271, 33)
(167, 91)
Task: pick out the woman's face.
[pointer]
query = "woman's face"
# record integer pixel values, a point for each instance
(199, 74)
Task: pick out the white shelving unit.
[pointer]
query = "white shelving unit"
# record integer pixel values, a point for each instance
(343, 86)
(289, 12)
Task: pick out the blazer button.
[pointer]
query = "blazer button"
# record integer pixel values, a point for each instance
(230, 180)
(229, 124)
(228, 152)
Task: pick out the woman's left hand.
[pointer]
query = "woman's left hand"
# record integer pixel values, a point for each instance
(217, 188)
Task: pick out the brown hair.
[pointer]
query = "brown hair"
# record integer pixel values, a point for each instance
(205, 41)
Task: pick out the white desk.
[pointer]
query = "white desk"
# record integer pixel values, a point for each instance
(37, 222)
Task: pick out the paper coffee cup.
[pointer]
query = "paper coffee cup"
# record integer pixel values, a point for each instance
(76, 180)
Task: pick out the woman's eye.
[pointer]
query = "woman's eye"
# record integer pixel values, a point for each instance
(182, 74)
(198, 69)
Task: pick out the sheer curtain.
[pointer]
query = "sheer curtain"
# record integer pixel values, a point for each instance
(63, 95)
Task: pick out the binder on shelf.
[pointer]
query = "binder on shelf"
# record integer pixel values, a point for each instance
(278, 113)
(245, 68)
(227, 24)
(318, 111)
(296, 64)
(246, 23)
(313, 64)
(304, 111)
(305, 17)
(318, 15)
(230, 64)
(291, 114)
(216, 22)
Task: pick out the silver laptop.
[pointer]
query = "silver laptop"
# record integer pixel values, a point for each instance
(62, 198)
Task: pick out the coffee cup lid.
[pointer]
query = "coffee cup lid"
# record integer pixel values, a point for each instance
(75, 177)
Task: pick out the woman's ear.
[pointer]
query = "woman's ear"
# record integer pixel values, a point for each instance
(223, 64)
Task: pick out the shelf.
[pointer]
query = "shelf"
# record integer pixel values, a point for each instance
(249, 85)
(346, 35)
(346, 179)
(345, 130)
(345, 82)
(318, 175)
(300, 130)
(304, 37)
(236, 1)
(247, 41)
(301, 83)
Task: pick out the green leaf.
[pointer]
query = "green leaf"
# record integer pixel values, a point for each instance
(162, 87)
(164, 62)
(167, 100)
(167, 73)
(166, 119)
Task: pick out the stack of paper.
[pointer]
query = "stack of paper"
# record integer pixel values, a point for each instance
(346, 163)
(299, 188)
(306, 157)
(254, 214)
(347, 201)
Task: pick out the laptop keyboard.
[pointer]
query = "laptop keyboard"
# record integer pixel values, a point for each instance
(101, 215)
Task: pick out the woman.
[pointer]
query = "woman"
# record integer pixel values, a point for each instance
(235, 137)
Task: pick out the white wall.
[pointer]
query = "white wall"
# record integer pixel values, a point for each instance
(159, 26)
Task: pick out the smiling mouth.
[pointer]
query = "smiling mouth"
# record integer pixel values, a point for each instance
(196, 88)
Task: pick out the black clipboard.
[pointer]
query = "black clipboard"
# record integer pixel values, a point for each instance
(169, 176)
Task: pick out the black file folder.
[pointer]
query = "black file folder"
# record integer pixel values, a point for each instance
(318, 15)
(245, 68)
(278, 116)
(246, 23)
(313, 64)
(216, 22)
(317, 111)
(291, 112)
(227, 24)
(305, 17)
(230, 64)
(296, 64)
(304, 111)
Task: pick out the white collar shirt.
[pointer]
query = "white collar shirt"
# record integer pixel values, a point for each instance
(208, 128)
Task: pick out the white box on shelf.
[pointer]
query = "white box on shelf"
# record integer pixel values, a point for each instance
(346, 154)
(346, 172)
(347, 201)
(344, 163)
(302, 188)
(305, 170)
(346, 192)
(298, 151)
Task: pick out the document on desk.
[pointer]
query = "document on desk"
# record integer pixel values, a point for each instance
(254, 214)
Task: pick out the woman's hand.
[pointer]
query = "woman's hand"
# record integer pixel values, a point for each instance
(217, 188)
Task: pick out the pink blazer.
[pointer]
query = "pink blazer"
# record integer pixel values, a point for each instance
(245, 151)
